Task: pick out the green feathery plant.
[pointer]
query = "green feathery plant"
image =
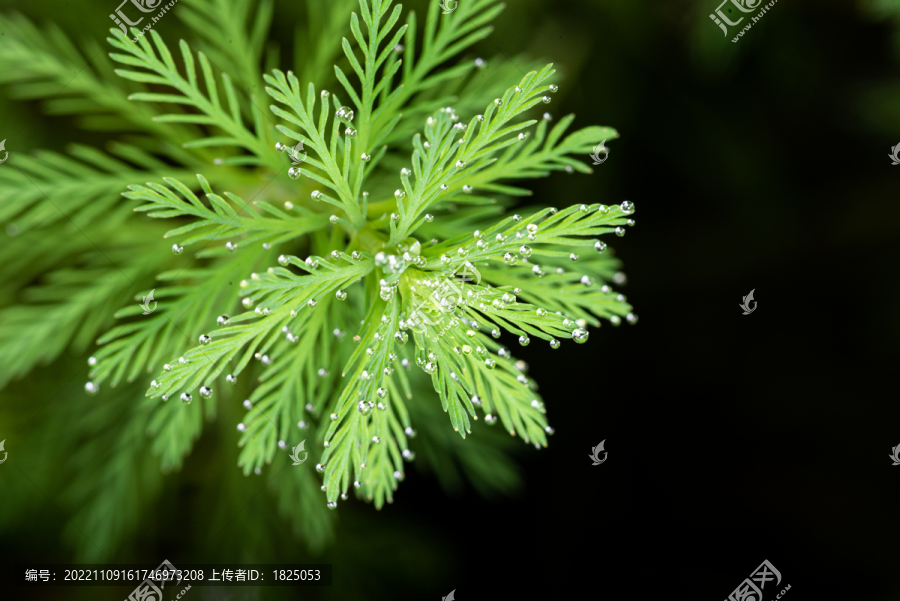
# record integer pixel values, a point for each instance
(396, 201)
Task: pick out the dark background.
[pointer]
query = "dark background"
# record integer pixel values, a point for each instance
(732, 439)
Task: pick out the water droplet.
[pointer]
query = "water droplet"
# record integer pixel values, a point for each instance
(266, 360)
(222, 320)
(620, 231)
(525, 251)
(182, 360)
(186, 397)
(460, 164)
(340, 295)
(206, 392)
(91, 388)
(366, 156)
(204, 339)
(167, 367)
(324, 93)
(524, 340)
(627, 207)
(294, 173)
(402, 337)
(631, 318)
(546, 99)
(320, 468)
(573, 257)
(569, 169)
(511, 258)
(495, 333)
(92, 361)
(490, 419)
(311, 303)
(599, 246)
(350, 132)
(554, 343)
(586, 280)
(554, 88)
(538, 271)
(430, 368)
(345, 114)
(580, 336)
(497, 101)
(241, 428)
(177, 249)
(231, 246)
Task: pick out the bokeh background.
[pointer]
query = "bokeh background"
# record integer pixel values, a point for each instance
(761, 165)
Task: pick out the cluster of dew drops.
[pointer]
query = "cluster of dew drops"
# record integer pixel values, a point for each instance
(392, 264)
